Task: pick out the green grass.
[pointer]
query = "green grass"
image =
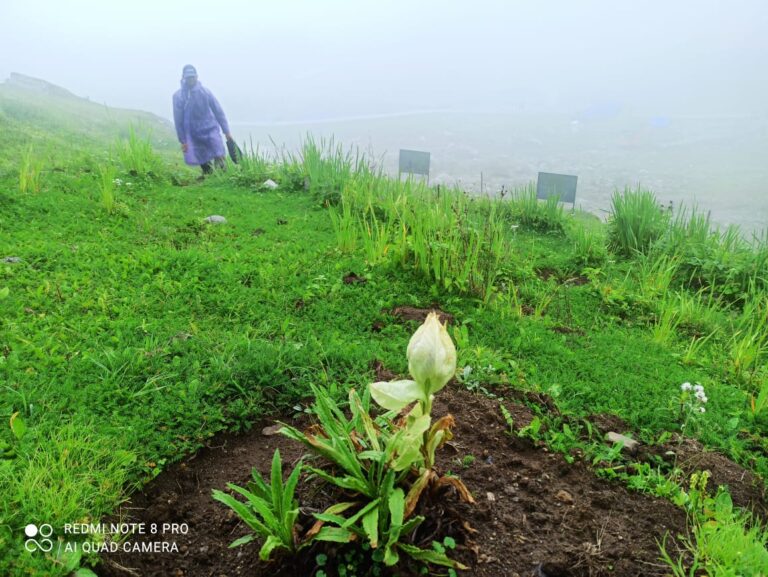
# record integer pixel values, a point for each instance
(636, 221)
(131, 331)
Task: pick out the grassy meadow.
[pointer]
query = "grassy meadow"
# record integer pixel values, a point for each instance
(132, 331)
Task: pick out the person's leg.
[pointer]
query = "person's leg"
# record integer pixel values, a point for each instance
(219, 160)
(206, 167)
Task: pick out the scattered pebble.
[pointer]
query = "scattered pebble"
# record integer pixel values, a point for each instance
(630, 445)
(491, 497)
(271, 430)
(215, 219)
(564, 497)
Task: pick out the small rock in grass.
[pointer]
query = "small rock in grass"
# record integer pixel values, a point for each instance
(271, 430)
(630, 445)
(215, 219)
(270, 184)
(12, 259)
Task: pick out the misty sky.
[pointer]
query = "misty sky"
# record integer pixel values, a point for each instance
(292, 60)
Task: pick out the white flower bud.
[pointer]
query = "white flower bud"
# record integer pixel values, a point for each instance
(431, 355)
(685, 387)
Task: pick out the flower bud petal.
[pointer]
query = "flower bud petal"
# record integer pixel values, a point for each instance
(394, 395)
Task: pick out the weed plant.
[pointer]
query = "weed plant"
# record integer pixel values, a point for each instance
(328, 168)
(524, 209)
(137, 156)
(29, 172)
(725, 540)
(636, 221)
(107, 183)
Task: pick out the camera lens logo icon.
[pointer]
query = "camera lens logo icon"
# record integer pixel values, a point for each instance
(38, 538)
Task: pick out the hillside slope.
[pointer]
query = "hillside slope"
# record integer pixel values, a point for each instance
(37, 113)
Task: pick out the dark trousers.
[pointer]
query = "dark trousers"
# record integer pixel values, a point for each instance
(207, 167)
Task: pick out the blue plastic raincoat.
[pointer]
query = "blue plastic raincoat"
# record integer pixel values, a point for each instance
(198, 116)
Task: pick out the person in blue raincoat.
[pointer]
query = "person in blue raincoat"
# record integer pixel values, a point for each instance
(199, 117)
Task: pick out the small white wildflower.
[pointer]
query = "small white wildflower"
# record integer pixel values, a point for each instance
(685, 387)
(698, 388)
(118, 182)
(702, 410)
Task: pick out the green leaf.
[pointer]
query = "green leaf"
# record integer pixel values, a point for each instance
(258, 487)
(371, 527)
(85, 572)
(346, 482)
(242, 540)
(335, 535)
(4, 292)
(289, 489)
(18, 426)
(395, 395)
(270, 545)
(277, 484)
(407, 443)
(243, 512)
(339, 451)
(261, 507)
(371, 455)
(353, 519)
(337, 508)
(396, 509)
(391, 556)
(433, 443)
(330, 518)
(411, 524)
(359, 411)
(429, 556)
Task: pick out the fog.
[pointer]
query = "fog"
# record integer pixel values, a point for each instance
(673, 95)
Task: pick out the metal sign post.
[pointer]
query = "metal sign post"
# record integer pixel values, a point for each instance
(414, 162)
(561, 185)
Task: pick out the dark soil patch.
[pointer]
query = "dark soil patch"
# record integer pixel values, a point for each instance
(528, 310)
(352, 278)
(560, 277)
(578, 280)
(407, 313)
(382, 373)
(535, 514)
(563, 330)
